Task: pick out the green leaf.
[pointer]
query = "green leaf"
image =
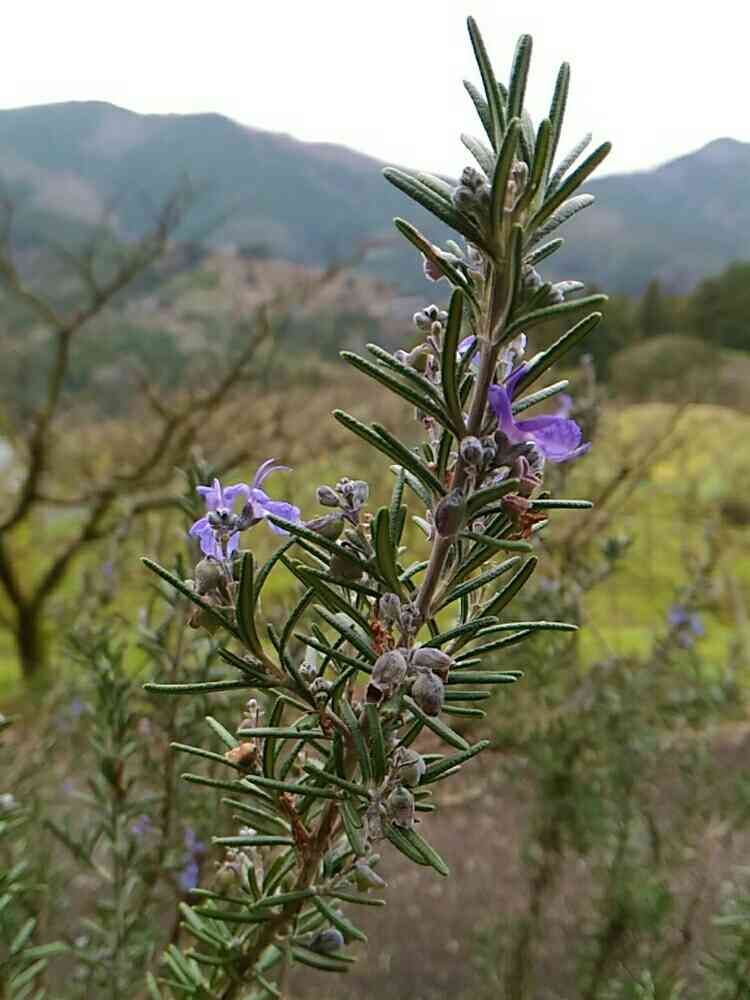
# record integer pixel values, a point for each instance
(509, 591)
(519, 75)
(300, 531)
(437, 770)
(376, 742)
(385, 556)
(495, 103)
(345, 629)
(401, 842)
(542, 252)
(325, 963)
(246, 606)
(227, 738)
(351, 828)
(481, 677)
(452, 273)
(557, 110)
(565, 212)
(325, 594)
(539, 167)
(482, 108)
(501, 175)
(173, 581)
(401, 455)
(396, 386)
(199, 687)
(360, 745)
(485, 157)
(490, 494)
(428, 852)
(339, 921)
(558, 350)
(567, 162)
(449, 358)
(440, 207)
(476, 583)
(466, 629)
(499, 544)
(568, 186)
(537, 397)
(561, 504)
(552, 313)
(436, 725)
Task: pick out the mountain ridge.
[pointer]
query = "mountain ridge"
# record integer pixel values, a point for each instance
(71, 162)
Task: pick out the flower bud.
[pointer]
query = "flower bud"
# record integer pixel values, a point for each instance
(433, 659)
(450, 514)
(327, 941)
(411, 767)
(320, 688)
(428, 692)
(327, 497)
(388, 674)
(366, 878)
(471, 451)
(208, 575)
(245, 755)
(401, 807)
(344, 567)
(389, 607)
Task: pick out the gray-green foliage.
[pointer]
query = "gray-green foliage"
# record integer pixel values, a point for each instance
(383, 646)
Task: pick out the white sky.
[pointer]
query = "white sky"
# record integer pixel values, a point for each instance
(658, 78)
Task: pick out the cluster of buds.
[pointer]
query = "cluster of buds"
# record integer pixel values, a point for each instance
(404, 616)
(211, 583)
(464, 261)
(472, 196)
(346, 498)
(423, 672)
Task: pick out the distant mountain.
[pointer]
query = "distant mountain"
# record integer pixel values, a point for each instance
(71, 163)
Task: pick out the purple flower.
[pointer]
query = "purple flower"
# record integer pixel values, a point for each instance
(141, 826)
(686, 623)
(556, 436)
(194, 850)
(219, 530)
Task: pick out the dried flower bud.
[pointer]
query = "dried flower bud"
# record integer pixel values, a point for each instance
(389, 607)
(411, 620)
(354, 491)
(433, 659)
(450, 514)
(411, 767)
(401, 807)
(388, 674)
(471, 178)
(471, 451)
(245, 755)
(428, 692)
(366, 878)
(344, 567)
(327, 497)
(327, 941)
(320, 688)
(208, 575)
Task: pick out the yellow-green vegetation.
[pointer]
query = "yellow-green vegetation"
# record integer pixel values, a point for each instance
(695, 471)
(698, 477)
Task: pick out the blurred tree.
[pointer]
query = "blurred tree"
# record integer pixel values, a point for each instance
(719, 307)
(652, 318)
(51, 469)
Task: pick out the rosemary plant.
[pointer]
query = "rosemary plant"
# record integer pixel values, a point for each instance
(349, 726)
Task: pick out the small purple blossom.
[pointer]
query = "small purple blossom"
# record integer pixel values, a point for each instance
(194, 850)
(219, 529)
(556, 436)
(141, 826)
(687, 624)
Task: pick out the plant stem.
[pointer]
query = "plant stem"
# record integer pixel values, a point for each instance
(488, 354)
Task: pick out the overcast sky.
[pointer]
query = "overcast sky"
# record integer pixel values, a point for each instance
(658, 78)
